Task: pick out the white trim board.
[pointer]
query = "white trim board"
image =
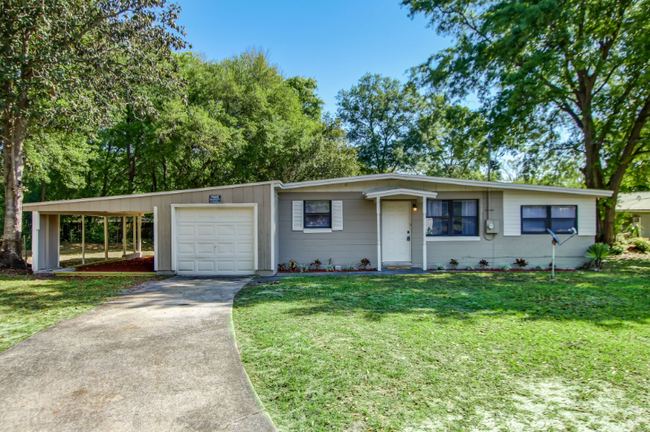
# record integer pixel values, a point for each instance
(443, 180)
(144, 195)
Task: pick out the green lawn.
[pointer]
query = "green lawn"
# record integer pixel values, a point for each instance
(470, 352)
(29, 304)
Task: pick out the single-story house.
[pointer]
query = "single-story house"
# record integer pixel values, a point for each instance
(636, 204)
(391, 219)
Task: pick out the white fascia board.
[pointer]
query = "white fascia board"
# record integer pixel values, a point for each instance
(38, 204)
(393, 192)
(458, 182)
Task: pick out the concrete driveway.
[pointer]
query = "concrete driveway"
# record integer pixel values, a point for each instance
(161, 359)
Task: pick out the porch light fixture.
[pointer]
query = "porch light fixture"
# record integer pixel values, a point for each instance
(415, 207)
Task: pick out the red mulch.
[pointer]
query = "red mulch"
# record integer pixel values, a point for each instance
(325, 271)
(144, 264)
(500, 270)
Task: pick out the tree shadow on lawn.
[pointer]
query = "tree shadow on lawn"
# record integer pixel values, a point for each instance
(606, 298)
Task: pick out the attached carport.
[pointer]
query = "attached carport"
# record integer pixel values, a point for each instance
(224, 230)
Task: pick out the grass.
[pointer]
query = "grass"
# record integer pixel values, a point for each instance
(29, 304)
(452, 351)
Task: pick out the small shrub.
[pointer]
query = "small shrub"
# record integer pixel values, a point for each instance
(317, 264)
(539, 267)
(483, 264)
(453, 263)
(597, 254)
(618, 248)
(640, 243)
(350, 267)
(329, 267)
(282, 266)
(304, 267)
(293, 266)
(521, 262)
(364, 263)
(505, 267)
(469, 267)
(440, 267)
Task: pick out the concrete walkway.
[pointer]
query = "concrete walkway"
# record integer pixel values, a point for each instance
(161, 359)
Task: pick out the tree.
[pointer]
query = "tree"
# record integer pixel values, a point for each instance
(579, 66)
(380, 115)
(66, 62)
(455, 139)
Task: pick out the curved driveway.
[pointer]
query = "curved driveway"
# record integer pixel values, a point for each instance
(161, 359)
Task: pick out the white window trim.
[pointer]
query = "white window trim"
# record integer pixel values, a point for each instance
(316, 230)
(453, 238)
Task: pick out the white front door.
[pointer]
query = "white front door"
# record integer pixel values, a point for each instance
(215, 241)
(396, 231)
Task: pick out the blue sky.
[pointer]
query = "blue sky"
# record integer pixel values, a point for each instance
(336, 42)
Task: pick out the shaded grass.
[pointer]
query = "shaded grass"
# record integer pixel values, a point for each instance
(452, 351)
(29, 304)
(70, 253)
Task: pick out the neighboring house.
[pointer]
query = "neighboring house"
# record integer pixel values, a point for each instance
(637, 204)
(387, 218)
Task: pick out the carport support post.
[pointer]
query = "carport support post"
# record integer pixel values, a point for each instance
(105, 237)
(123, 236)
(83, 239)
(134, 242)
(140, 234)
(378, 234)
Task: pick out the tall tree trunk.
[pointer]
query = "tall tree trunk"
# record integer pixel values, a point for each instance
(12, 153)
(42, 190)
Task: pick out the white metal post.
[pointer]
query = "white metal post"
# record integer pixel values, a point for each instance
(424, 233)
(553, 262)
(106, 237)
(134, 235)
(140, 234)
(379, 262)
(36, 226)
(83, 239)
(123, 236)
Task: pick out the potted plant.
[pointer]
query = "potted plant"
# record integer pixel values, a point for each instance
(364, 263)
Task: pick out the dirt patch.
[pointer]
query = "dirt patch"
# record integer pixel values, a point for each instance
(144, 264)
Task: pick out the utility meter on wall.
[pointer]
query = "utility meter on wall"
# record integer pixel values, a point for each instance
(492, 226)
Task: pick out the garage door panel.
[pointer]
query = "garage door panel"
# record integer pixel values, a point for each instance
(215, 241)
(244, 248)
(186, 230)
(205, 230)
(206, 266)
(185, 266)
(205, 249)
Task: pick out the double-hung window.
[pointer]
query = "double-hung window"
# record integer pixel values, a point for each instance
(560, 219)
(452, 218)
(318, 214)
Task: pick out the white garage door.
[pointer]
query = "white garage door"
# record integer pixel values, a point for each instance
(215, 241)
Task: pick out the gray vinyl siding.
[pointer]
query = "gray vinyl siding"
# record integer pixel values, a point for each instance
(48, 242)
(500, 249)
(357, 240)
(257, 193)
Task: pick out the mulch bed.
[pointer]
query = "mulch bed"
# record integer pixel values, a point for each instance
(500, 270)
(144, 264)
(325, 271)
